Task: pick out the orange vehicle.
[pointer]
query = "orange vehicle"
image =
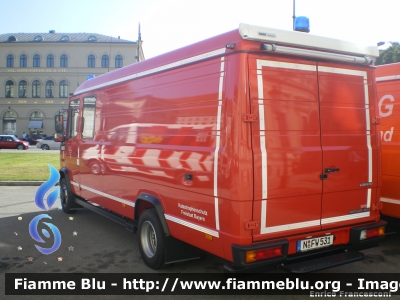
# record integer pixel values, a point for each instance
(388, 90)
(259, 145)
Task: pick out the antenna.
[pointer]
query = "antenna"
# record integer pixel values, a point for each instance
(294, 12)
(138, 45)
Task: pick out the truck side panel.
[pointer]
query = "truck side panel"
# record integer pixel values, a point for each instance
(388, 91)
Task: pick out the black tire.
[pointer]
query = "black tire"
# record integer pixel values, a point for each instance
(45, 147)
(151, 239)
(20, 147)
(95, 167)
(66, 197)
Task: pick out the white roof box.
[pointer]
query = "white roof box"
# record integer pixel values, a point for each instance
(304, 40)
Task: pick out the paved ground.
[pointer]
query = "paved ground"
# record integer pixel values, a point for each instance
(102, 246)
(30, 150)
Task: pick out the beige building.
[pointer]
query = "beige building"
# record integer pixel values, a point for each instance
(38, 72)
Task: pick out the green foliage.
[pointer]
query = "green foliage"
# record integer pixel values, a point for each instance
(390, 55)
(27, 166)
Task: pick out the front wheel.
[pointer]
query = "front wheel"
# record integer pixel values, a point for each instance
(151, 239)
(66, 197)
(45, 147)
(20, 147)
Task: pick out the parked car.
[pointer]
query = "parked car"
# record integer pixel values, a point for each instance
(11, 142)
(48, 143)
(34, 139)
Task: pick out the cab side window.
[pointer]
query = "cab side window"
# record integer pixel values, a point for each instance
(73, 117)
(89, 117)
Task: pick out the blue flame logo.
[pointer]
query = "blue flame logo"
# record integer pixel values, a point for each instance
(45, 187)
(35, 235)
(39, 201)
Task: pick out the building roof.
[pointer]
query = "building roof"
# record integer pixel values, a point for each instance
(60, 38)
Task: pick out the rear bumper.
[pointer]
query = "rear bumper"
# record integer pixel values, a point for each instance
(355, 244)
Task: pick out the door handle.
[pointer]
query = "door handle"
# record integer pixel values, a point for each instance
(331, 170)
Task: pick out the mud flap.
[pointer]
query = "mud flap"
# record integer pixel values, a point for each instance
(177, 251)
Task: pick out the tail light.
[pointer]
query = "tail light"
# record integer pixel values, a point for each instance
(371, 233)
(263, 254)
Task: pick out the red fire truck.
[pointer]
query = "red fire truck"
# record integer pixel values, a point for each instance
(388, 90)
(260, 146)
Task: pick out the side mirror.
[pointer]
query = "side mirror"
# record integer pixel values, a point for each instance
(58, 138)
(59, 123)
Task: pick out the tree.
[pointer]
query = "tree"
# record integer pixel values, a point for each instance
(390, 55)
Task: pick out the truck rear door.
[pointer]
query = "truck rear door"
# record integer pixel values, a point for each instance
(348, 140)
(314, 155)
(286, 146)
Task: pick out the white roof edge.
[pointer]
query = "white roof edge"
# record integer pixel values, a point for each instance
(387, 78)
(302, 39)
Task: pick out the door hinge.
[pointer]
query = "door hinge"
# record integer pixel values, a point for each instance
(377, 206)
(250, 225)
(323, 176)
(249, 118)
(376, 120)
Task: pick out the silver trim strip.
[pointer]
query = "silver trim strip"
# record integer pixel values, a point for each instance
(192, 225)
(124, 201)
(218, 141)
(345, 218)
(155, 70)
(387, 78)
(388, 200)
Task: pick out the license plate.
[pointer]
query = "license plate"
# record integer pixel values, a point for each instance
(315, 243)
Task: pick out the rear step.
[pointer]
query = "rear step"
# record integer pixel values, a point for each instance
(324, 262)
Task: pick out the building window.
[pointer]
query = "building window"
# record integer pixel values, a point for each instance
(12, 38)
(64, 61)
(10, 61)
(22, 89)
(91, 61)
(63, 89)
(50, 61)
(36, 61)
(38, 38)
(118, 61)
(49, 89)
(105, 61)
(36, 115)
(65, 38)
(36, 122)
(36, 88)
(23, 61)
(9, 122)
(9, 89)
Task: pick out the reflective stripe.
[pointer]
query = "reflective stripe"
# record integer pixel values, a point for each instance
(388, 200)
(124, 201)
(387, 78)
(155, 70)
(192, 225)
(218, 142)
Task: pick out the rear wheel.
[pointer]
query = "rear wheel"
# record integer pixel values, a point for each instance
(151, 239)
(45, 147)
(67, 199)
(95, 167)
(20, 147)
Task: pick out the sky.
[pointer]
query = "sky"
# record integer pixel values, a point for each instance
(171, 24)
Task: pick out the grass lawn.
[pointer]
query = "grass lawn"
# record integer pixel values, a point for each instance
(27, 166)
